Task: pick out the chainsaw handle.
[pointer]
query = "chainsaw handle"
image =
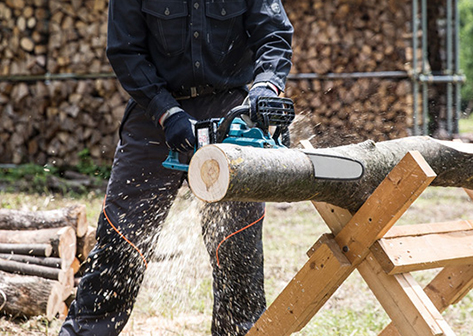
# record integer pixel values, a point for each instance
(224, 128)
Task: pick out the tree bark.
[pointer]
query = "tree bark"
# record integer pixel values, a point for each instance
(42, 261)
(63, 241)
(29, 295)
(40, 250)
(74, 216)
(225, 172)
(17, 267)
(85, 244)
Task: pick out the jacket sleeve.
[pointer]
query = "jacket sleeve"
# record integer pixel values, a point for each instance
(270, 36)
(128, 54)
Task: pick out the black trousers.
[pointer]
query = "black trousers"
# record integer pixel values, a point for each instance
(139, 195)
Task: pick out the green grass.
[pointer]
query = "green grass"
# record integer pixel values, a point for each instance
(176, 298)
(466, 124)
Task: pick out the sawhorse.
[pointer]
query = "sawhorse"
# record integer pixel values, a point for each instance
(358, 241)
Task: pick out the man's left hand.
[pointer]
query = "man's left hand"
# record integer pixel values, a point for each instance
(254, 94)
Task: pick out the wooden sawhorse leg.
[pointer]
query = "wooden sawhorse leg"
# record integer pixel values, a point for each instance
(334, 259)
(448, 287)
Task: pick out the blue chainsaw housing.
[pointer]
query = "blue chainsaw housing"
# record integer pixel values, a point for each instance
(239, 134)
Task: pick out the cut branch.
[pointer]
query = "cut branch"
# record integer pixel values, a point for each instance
(225, 172)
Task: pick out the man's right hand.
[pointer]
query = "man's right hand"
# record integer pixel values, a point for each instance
(179, 131)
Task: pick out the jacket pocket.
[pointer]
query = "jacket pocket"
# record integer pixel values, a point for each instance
(167, 21)
(225, 24)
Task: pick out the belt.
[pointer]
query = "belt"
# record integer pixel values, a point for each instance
(194, 91)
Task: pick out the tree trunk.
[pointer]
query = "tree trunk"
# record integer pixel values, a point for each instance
(29, 295)
(74, 216)
(225, 172)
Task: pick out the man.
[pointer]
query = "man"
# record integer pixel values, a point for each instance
(180, 61)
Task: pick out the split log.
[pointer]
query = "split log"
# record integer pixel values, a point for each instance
(40, 250)
(225, 172)
(73, 216)
(30, 295)
(63, 241)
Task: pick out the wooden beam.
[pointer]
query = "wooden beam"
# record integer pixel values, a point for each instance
(469, 193)
(448, 287)
(306, 293)
(404, 301)
(400, 295)
(434, 249)
(313, 285)
(385, 206)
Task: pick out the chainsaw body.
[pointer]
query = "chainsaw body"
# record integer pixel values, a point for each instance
(278, 113)
(237, 128)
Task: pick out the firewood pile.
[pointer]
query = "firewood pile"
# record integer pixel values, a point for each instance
(77, 36)
(350, 37)
(40, 259)
(50, 121)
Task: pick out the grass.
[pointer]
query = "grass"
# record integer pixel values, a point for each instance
(465, 124)
(176, 296)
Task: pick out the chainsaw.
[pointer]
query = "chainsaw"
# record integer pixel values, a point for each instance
(270, 130)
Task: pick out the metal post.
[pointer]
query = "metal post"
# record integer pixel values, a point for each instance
(415, 84)
(457, 68)
(425, 98)
(449, 68)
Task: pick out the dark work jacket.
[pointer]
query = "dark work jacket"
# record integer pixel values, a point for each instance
(158, 48)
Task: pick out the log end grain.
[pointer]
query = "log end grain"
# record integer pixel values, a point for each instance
(209, 174)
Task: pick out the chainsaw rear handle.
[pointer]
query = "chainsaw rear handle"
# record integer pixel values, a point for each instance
(270, 111)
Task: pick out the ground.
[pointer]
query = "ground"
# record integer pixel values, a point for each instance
(180, 302)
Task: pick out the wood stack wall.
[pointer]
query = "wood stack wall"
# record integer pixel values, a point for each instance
(51, 121)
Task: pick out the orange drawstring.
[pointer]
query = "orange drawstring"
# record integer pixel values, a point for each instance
(234, 233)
(121, 235)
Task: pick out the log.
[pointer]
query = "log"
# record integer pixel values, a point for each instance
(224, 172)
(62, 240)
(85, 244)
(28, 296)
(42, 261)
(40, 250)
(74, 216)
(17, 267)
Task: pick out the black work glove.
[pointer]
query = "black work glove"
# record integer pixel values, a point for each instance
(254, 94)
(179, 132)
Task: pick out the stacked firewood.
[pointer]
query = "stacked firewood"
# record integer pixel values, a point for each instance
(78, 31)
(40, 258)
(53, 122)
(346, 37)
(24, 36)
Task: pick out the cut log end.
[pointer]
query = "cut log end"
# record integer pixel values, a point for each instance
(209, 174)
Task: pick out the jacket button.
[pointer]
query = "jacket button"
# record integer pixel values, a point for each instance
(223, 12)
(167, 11)
(196, 5)
(196, 34)
(197, 64)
